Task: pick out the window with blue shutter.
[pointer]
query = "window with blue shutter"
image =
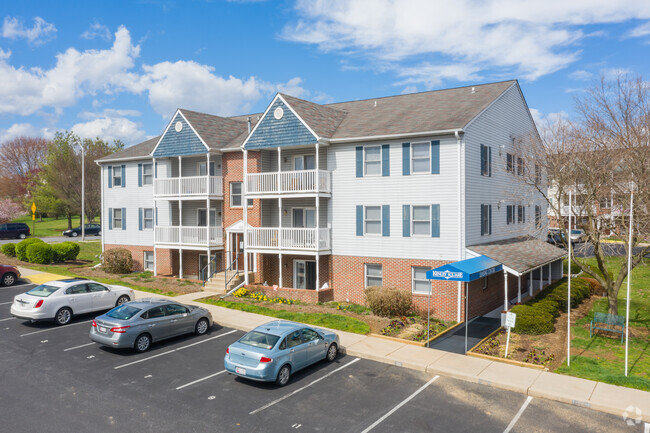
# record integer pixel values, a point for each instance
(139, 175)
(385, 159)
(435, 157)
(486, 160)
(110, 176)
(123, 176)
(489, 219)
(435, 220)
(110, 218)
(359, 220)
(406, 220)
(406, 159)
(123, 218)
(482, 219)
(140, 218)
(486, 219)
(359, 159)
(385, 220)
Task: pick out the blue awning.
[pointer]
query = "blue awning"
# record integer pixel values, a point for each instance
(466, 270)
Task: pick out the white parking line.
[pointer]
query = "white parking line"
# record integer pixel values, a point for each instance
(14, 286)
(393, 410)
(8, 318)
(201, 380)
(77, 347)
(5, 303)
(516, 418)
(173, 350)
(58, 327)
(304, 387)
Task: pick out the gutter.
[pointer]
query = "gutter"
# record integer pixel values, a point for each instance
(392, 136)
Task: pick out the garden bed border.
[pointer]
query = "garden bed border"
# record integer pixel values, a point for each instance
(418, 343)
(471, 352)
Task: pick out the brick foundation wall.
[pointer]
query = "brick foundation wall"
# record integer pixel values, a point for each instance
(269, 270)
(302, 295)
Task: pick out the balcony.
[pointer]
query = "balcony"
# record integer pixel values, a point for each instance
(295, 239)
(188, 186)
(189, 236)
(289, 182)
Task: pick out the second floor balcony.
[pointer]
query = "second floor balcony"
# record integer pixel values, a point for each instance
(192, 186)
(189, 236)
(289, 239)
(289, 182)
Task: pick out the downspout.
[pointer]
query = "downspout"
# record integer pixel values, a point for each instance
(460, 226)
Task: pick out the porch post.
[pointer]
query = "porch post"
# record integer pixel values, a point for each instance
(180, 263)
(155, 222)
(317, 272)
(549, 273)
(505, 290)
(519, 289)
(280, 222)
(280, 269)
(541, 278)
(530, 283)
(460, 302)
(180, 174)
(209, 266)
(207, 207)
(279, 170)
(244, 205)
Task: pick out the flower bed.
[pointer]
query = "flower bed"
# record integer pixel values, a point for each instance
(414, 328)
(260, 296)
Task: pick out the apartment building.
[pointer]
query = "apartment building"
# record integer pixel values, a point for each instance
(321, 201)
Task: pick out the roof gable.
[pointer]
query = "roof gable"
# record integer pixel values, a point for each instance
(179, 143)
(323, 120)
(215, 131)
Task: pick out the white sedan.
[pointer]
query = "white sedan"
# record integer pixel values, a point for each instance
(61, 299)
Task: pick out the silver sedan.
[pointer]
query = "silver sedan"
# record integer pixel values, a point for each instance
(139, 323)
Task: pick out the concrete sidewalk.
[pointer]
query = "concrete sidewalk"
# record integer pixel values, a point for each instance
(612, 399)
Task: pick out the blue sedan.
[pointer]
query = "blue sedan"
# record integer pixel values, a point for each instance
(272, 352)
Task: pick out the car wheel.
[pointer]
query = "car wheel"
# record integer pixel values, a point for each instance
(283, 375)
(201, 326)
(332, 351)
(122, 299)
(142, 343)
(75, 234)
(22, 236)
(63, 316)
(9, 279)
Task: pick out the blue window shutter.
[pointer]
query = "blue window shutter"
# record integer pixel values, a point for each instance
(406, 220)
(435, 157)
(123, 218)
(156, 216)
(110, 218)
(385, 159)
(385, 220)
(490, 219)
(110, 176)
(435, 220)
(406, 159)
(482, 218)
(489, 151)
(139, 174)
(140, 218)
(156, 170)
(359, 220)
(359, 157)
(482, 160)
(123, 176)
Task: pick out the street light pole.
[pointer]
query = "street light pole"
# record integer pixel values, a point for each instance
(83, 195)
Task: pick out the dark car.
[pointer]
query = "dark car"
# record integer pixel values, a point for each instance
(14, 231)
(558, 239)
(9, 275)
(91, 229)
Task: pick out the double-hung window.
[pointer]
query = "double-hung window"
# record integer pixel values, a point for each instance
(421, 220)
(486, 160)
(538, 216)
(117, 176)
(510, 163)
(421, 158)
(147, 218)
(420, 284)
(148, 261)
(117, 218)
(510, 214)
(372, 220)
(521, 168)
(372, 160)
(373, 275)
(236, 195)
(486, 219)
(538, 174)
(147, 174)
(521, 214)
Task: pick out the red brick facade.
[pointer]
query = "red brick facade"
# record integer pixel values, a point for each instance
(310, 296)
(270, 265)
(137, 253)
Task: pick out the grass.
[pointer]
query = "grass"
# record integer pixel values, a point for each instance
(353, 308)
(326, 320)
(604, 359)
(49, 226)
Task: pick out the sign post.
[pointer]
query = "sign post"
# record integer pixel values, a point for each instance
(510, 323)
(33, 216)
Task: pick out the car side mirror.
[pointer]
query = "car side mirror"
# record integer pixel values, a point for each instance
(184, 314)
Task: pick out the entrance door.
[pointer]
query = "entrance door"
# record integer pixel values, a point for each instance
(304, 274)
(237, 253)
(203, 262)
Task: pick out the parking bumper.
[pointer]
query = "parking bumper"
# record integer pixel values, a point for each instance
(264, 372)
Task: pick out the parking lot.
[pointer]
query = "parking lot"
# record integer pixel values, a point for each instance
(55, 379)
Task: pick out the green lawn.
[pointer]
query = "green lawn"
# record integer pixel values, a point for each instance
(49, 226)
(606, 354)
(332, 321)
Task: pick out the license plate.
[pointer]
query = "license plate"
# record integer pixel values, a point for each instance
(102, 329)
(240, 370)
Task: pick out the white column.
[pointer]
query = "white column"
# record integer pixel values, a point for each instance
(530, 283)
(180, 174)
(245, 214)
(460, 302)
(505, 290)
(541, 278)
(280, 269)
(180, 263)
(549, 273)
(280, 222)
(208, 272)
(519, 289)
(317, 272)
(279, 169)
(207, 207)
(155, 222)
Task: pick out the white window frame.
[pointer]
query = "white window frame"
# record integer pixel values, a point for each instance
(365, 274)
(295, 272)
(303, 156)
(117, 174)
(485, 283)
(145, 176)
(199, 164)
(145, 261)
(413, 158)
(366, 220)
(304, 217)
(413, 220)
(198, 216)
(144, 218)
(365, 161)
(250, 200)
(414, 280)
(115, 219)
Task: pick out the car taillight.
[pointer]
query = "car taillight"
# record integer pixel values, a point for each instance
(265, 359)
(94, 324)
(39, 303)
(120, 329)
(228, 350)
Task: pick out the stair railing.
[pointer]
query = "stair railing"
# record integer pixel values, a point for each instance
(209, 270)
(232, 271)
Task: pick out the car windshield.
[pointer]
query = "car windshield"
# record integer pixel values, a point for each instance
(43, 290)
(259, 339)
(576, 232)
(123, 312)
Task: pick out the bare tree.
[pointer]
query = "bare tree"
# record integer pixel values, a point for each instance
(601, 156)
(20, 159)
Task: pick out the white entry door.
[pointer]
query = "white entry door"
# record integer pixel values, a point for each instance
(304, 274)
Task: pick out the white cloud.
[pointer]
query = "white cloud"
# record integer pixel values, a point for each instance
(97, 30)
(24, 129)
(581, 75)
(292, 87)
(528, 38)
(542, 120)
(434, 75)
(640, 31)
(41, 32)
(110, 128)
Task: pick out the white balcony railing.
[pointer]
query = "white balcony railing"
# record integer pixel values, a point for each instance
(184, 235)
(300, 181)
(191, 185)
(289, 238)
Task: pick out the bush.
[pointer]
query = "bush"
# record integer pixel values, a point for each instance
(21, 248)
(389, 302)
(9, 250)
(118, 261)
(532, 321)
(40, 253)
(65, 251)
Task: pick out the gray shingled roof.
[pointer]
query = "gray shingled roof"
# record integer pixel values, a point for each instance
(143, 149)
(322, 119)
(216, 131)
(520, 254)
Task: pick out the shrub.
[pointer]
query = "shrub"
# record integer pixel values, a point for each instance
(21, 248)
(40, 253)
(531, 320)
(65, 251)
(389, 302)
(9, 250)
(117, 261)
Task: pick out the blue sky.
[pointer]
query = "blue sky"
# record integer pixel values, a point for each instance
(120, 69)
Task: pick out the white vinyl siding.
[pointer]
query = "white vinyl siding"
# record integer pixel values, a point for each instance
(373, 275)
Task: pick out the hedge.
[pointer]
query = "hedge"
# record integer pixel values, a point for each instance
(531, 320)
(40, 253)
(65, 251)
(21, 248)
(117, 261)
(9, 250)
(389, 302)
